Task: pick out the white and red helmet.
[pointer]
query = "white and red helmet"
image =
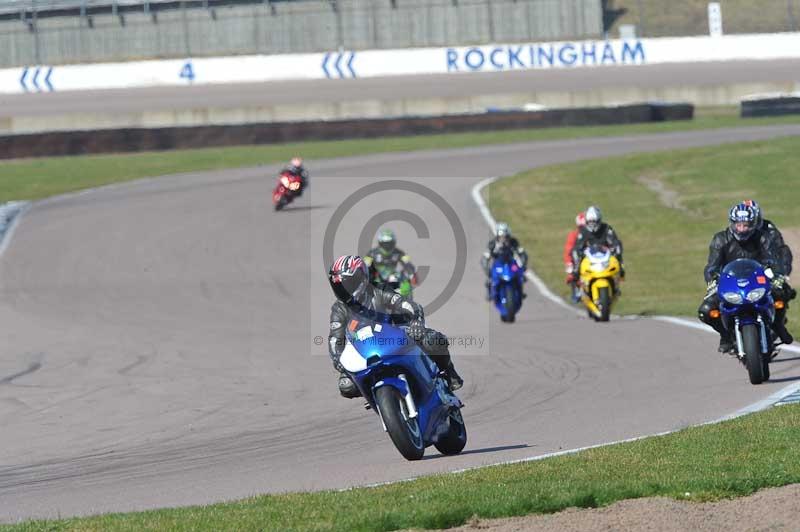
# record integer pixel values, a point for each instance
(349, 278)
(580, 219)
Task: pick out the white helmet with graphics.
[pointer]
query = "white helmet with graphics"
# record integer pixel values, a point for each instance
(502, 230)
(594, 218)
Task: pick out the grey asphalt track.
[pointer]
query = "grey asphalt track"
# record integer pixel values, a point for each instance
(247, 95)
(157, 340)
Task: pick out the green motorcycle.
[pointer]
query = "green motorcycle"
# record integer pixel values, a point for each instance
(394, 280)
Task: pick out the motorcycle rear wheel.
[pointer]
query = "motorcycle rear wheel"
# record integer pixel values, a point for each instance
(404, 431)
(456, 438)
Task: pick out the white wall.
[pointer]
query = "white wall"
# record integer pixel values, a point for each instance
(373, 63)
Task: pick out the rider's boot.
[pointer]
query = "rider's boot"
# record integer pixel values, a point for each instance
(454, 380)
(726, 344)
(488, 284)
(780, 327)
(347, 388)
(576, 292)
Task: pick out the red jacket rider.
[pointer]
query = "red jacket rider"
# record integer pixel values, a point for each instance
(569, 267)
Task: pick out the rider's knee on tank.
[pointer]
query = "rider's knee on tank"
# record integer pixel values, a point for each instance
(784, 293)
(704, 311)
(348, 388)
(435, 343)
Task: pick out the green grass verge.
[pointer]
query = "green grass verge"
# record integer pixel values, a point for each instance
(729, 459)
(665, 248)
(39, 178)
(657, 18)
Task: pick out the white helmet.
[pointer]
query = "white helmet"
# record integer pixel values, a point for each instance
(501, 230)
(593, 218)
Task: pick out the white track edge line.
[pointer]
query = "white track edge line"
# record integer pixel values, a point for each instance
(547, 293)
(6, 237)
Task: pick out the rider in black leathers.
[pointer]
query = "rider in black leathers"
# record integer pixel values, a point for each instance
(503, 242)
(597, 232)
(744, 240)
(767, 226)
(357, 298)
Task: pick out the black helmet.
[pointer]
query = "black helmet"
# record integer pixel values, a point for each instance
(349, 278)
(757, 208)
(743, 221)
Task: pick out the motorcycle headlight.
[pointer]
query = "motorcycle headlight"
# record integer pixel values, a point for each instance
(755, 295)
(734, 298)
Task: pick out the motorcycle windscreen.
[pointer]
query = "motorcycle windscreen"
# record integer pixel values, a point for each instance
(742, 268)
(377, 340)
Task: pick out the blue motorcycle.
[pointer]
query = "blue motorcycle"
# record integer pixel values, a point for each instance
(405, 388)
(506, 287)
(748, 310)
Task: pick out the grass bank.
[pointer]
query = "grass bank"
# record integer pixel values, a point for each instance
(729, 459)
(42, 177)
(665, 206)
(656, 18)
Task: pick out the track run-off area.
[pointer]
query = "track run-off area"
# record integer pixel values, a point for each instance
(160, 342)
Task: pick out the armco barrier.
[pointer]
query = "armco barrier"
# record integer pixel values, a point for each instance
(134, 140)
(773, 106)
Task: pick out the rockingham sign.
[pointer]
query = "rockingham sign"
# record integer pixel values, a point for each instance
(351, 64)
(549, 55)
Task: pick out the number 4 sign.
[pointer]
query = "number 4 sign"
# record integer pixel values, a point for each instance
(187, 72)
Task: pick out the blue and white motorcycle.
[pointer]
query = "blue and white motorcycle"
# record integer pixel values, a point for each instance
(405, 388)
(748, 310)
(506, 287)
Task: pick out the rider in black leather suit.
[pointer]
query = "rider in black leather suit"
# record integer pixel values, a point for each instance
(597, 232)
(357, 298)
(744, 240)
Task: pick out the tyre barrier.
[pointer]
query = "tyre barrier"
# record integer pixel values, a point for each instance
(62, 143)
(770, 106)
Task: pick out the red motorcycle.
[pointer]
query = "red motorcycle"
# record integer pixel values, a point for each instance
(288, 187)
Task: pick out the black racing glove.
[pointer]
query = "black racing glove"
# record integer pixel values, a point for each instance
(416, 330)
(711, 287)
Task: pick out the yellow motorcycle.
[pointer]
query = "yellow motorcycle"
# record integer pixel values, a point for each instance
(599, 282)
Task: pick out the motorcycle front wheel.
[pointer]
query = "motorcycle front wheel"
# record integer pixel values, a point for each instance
(752, 351)
(403, 430)
(604, 303)
(509, 304)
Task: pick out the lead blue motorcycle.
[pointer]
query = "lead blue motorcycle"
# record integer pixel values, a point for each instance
(748, 310)
(405, 388)
(506, 286)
